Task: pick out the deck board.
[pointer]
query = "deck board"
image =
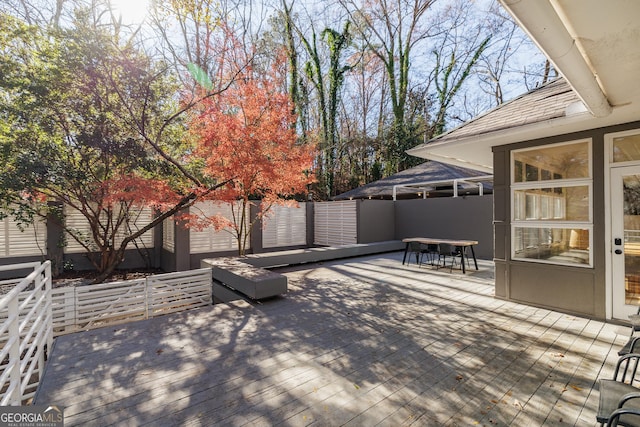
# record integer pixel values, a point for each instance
(364, 341)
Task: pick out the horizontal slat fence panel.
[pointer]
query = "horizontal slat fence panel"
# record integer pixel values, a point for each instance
(64, 310)
(169, 234)
(93, 306)
(209, 239)
(110, 303)
(335, 223)
(173, 292)
(138, 218)
(285, 226)
(28, 241)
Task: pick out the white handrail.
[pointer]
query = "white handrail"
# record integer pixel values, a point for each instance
(28, 334)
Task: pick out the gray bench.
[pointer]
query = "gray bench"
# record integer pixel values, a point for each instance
(253, 282)
(249, 275)
(303, 256)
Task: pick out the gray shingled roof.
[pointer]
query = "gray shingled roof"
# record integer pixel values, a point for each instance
(549, 101)
(428, 171)
(546, 102)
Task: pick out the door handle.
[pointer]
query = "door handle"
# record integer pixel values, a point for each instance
(618, 251)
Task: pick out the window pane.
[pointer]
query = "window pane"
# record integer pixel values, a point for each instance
(566, 161)
(558, 203)
(626, 148)
(559, 245)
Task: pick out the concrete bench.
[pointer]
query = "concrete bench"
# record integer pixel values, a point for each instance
(303, 256)
(249, 275)
(253, 282)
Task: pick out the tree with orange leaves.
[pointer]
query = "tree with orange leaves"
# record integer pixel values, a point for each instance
(247, 137)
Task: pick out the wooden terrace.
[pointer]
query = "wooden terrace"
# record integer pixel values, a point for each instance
(359, 342)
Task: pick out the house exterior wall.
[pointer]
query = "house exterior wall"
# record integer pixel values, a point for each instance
(465, 218)
(581, 290)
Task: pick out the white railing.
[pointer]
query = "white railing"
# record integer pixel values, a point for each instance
(26, 332)
(32, 313)
(94, 306)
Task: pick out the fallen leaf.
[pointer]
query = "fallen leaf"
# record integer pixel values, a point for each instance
(356, 386)
(494, 401)
(159, 351)
(558, 355)
(575, 387)
(459, 377)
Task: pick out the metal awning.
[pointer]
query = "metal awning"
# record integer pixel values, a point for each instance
(427, 186)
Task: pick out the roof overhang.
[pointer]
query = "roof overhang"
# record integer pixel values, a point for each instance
(594, 45)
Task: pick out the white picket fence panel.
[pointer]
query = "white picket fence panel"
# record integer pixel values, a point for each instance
(94, 306)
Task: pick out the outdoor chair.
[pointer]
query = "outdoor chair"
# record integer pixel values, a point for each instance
(620, 392)
(431, 252)
(415, 248)
(453, 252)
(624, 417)
(632, 345)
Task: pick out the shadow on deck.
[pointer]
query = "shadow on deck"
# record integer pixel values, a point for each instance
(362, 342)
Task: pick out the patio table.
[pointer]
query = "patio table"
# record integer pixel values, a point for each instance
(462, 244)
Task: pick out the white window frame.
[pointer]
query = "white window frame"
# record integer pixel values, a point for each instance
(552, 223)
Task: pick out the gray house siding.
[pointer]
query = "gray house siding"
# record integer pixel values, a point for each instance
(577, 290)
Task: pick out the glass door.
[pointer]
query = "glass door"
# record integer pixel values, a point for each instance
(625, 245)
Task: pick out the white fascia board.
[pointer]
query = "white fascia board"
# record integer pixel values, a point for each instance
(547, 28)
(475, 152)
(453, 159)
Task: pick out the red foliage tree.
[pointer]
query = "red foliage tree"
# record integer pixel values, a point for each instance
(247, 135)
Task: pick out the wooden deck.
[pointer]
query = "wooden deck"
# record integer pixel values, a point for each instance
(358, 342)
